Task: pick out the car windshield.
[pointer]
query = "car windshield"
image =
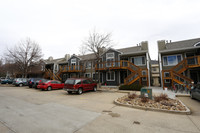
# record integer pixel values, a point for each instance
(19, 79)
(47, 81)
(70, 81)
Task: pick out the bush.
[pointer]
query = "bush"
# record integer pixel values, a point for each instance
(161, 97)
(144, 99)
(164, 97)
(157, 98)
(133, 87)
(132, 96)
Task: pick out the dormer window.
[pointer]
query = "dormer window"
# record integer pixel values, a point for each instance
(73, 61)
(197, 44)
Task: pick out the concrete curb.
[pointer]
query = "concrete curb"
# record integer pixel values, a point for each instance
(112, 90)
(182, 95)
(187, 112)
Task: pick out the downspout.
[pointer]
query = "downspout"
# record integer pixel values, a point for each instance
(160, 64)
(147, 57)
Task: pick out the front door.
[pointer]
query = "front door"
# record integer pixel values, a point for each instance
(194, 76)
(123, 75)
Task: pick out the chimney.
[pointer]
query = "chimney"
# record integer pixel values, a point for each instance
(144, 45)
(161, 45)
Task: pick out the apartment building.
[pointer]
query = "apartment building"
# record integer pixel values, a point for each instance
(179, 62)
(117, 66)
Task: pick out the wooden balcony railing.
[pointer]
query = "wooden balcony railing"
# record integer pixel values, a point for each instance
(177, 78)
(123, 64)
(188, 62)
(74, 68)
(136, 72)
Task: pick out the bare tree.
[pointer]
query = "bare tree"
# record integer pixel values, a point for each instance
(24, 55)
(82, 50)
(95, 43)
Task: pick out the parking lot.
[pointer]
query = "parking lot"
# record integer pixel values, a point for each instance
(25, 110)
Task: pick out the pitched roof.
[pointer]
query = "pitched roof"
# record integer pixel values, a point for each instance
(130, 49)
(88, 56)
(182, 44)
(53, 61)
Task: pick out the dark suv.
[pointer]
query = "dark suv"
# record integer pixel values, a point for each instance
(79, 85)
(20, 82)
(195, 92)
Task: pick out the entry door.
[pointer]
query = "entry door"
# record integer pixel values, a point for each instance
(123, 75)
(194, 76)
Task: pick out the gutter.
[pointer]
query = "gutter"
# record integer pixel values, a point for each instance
(179, 49)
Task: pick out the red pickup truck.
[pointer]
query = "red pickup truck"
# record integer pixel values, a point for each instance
(79, 85)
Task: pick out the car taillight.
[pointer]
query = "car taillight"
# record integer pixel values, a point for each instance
(30, 82)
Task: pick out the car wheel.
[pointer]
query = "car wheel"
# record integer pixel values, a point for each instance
(20, 85)
(69, 92)
(80, 91)
(49, 88)
(95, 88)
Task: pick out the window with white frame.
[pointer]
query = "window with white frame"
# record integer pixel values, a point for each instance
(166, 74)
(110, 76)
(73, 61)
(172, 60)
(154, 69)
(88, 75)
(88, 64)
(110, 59)
(144, 72)
(139, 61)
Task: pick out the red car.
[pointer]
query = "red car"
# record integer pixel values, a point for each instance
(79, 85)
(50, 84)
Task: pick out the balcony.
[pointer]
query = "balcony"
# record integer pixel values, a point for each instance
(123, 64)
(74, 68)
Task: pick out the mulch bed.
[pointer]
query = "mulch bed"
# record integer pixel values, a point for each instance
(162, 104)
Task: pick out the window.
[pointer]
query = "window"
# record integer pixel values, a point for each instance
(86, 82)
(73, 61)
(154, 69)
(110, 59)
(95, 76)
(197, 44)
(139, 61)
(109, 55)
(144, 78)
(144, 72)
(78, 81)
(88, 64)
(171, 60)
(87, 75)
(167, 80)
(166, 74)
(110, 76)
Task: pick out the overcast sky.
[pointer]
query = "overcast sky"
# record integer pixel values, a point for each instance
(60, 26)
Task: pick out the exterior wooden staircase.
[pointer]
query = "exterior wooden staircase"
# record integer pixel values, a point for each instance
(136, 72)
(51, 75)
(175, 73)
